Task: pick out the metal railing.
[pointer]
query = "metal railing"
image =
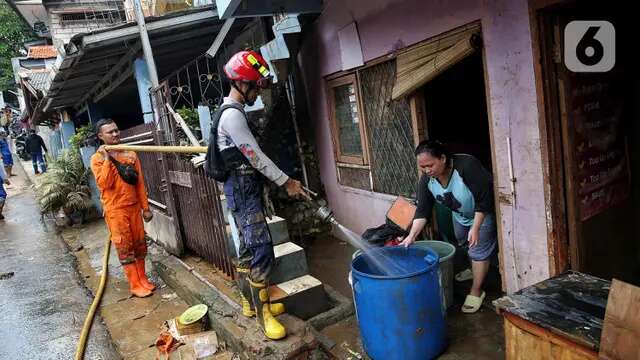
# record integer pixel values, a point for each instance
(162, 7)
(90, 16)
(101, 14)
(197, 83)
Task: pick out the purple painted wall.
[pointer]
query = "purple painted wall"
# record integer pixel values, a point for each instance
(387, 25)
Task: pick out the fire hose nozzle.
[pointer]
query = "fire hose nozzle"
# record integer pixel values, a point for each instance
(326, 214)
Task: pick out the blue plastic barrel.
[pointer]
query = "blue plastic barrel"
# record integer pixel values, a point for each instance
(397, 298)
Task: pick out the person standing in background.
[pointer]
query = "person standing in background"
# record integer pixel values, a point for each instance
(5, 153)
(3, 193)
(35, 145)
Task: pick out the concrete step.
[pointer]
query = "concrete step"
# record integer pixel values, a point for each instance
(303, 297)
(278, 229)
(291, 263)
(277, 225)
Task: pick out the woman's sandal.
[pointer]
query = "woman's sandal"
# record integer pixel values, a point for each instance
(473, 303)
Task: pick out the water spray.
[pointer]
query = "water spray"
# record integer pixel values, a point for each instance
(385, 264)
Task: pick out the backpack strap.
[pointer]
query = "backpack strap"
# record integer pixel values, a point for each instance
(215, 166)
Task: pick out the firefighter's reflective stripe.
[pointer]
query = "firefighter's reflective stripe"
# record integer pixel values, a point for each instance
(256, 64)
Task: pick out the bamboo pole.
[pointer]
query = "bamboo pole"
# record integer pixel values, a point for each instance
(159, 149)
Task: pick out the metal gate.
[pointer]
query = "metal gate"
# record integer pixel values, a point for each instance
(200, 213)
(154, 177)
(196, 197)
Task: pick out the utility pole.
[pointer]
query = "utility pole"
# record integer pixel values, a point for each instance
(146, 44)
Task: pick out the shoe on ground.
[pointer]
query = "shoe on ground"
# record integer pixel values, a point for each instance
(473, 303)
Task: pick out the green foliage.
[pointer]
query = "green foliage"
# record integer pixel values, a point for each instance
(13, 33)
(64, 185)
(78, 139)
(190, 117)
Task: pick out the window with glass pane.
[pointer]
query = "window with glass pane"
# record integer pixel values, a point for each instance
(347, 119)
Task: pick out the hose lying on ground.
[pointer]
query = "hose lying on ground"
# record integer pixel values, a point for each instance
(82, 343)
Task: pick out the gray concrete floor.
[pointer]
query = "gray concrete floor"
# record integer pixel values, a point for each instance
(43, 305)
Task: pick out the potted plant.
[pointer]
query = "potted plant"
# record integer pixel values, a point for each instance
(64, 187)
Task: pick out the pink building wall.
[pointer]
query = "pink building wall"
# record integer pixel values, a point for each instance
(387, 25)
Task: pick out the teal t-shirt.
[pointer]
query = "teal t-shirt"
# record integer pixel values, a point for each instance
(456, 196)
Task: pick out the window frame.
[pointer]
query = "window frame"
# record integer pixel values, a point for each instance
(351, 78)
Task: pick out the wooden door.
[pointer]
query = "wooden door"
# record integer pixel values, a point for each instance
(594, 109)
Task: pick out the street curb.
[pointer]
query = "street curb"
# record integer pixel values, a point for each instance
(30, 178)
(340, 308)
(242, 334)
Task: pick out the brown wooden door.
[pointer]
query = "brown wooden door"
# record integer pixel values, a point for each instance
(593, 111)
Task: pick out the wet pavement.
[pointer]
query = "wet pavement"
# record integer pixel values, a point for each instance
(134, 323)
(43, 305)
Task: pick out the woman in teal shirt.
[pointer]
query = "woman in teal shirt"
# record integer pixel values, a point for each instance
(463, 185)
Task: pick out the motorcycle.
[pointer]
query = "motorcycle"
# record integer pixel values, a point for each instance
(21, 147)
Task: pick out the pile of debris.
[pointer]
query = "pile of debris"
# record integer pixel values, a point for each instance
(187, 337)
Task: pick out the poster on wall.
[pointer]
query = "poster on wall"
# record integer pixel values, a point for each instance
(600, 156)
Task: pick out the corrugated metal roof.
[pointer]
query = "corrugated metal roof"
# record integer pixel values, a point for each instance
(42, 52)
(38, 80)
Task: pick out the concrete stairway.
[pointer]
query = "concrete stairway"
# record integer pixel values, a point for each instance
(303, 295)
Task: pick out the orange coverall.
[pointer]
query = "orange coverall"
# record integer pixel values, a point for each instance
(123, 204)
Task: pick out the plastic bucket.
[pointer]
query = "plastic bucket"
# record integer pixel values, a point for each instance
(446, 253)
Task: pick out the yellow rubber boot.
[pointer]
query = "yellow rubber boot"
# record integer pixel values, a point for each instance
(272, 327)
(246, 307)
(275, 308)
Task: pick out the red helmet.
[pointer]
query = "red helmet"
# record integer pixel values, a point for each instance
(248, 66)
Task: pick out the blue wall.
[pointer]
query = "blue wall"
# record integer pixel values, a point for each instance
(68, 130)
(141, 72)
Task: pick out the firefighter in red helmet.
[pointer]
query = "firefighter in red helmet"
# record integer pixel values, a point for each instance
(235, 158)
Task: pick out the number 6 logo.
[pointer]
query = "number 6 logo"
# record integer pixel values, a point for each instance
(589, 46)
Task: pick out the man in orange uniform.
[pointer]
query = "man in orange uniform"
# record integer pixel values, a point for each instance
(121, 183)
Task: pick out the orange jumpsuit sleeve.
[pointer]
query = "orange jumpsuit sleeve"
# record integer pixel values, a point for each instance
(104, 172)
(140, 189)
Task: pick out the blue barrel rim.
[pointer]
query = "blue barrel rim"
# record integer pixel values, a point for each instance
(428, 267)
